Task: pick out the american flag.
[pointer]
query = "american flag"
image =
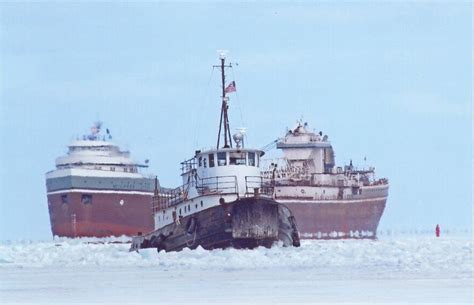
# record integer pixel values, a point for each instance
(230, 87)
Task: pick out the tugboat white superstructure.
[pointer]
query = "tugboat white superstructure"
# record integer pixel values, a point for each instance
(222, 202)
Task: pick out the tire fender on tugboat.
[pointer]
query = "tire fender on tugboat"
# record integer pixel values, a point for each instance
(192, 226)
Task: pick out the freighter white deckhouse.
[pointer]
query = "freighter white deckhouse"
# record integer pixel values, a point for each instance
(98, 190)
(222, 201)
(327, 201)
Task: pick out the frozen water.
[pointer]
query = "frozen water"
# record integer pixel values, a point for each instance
(418, 269)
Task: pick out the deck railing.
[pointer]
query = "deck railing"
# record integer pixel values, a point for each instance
(264, 185)
(218, 185)
(221, 185)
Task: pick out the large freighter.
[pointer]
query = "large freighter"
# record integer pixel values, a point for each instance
(96, 190)
(327, 201)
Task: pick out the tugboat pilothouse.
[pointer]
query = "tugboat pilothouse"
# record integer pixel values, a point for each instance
(223, 201)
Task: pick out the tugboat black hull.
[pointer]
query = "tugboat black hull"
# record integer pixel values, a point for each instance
(246, 223)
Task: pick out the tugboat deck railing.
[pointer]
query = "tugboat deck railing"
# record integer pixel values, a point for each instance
(221, 185)
(218, 185)
(258, 184)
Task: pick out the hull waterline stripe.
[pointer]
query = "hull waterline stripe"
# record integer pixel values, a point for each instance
(100, 192)
(330, 201)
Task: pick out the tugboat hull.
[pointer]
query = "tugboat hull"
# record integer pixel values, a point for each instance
(245, 223)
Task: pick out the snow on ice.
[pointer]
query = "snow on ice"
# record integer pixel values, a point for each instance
(417, 269)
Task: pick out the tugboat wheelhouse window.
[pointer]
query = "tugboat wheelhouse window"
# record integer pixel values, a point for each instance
(237, 158)
(221, 159)
(251, 159)
(211, 160)
(86, 199)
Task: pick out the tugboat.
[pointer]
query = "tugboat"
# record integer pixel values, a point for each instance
(223, 201)
(328, 201)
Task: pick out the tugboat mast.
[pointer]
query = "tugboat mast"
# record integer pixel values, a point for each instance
(224, 121)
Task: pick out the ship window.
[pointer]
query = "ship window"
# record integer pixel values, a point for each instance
(251, 158)
(112, 169)
(204, 162)
(237, 158)
(200, 161)
(354, 191)
(221, 159)
(64, 199)
(201, 204)
(125, 169)
(211, 160)
(196, 206)
(180, 212)
(86, 199)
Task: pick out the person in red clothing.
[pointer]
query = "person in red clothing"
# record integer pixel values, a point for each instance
(437, 230)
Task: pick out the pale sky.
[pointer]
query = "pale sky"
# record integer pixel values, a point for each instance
(390, 81)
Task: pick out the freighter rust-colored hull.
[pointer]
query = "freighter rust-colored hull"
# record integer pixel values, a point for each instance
(333, 219)
(108, 214)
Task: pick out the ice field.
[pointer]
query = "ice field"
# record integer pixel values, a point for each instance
(394, 269)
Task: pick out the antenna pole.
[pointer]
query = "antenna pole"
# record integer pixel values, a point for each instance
(224, 120)
(224, 102)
